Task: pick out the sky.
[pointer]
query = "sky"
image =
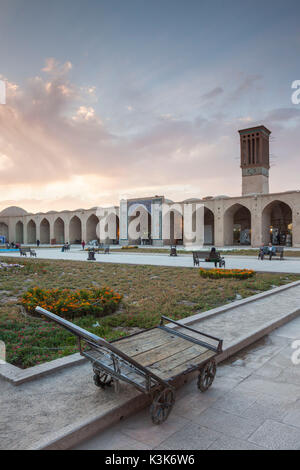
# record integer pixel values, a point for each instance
(110, 98)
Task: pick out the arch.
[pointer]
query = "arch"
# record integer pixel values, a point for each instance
(75, 230)
(19, 232)
(112, 229)
(4, 230)
(237, 225)
(139, 224)
(136, 207)
(45, 231)
(91, 228)
(59, 230)
(176, 228)
(31, 232)
(209, 227)
(277, 223)
(172, 224)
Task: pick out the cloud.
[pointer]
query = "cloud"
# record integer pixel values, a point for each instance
(246, 119)
(57, 152)
(85, 113)
(248, 83)
(213, 93)
(168, 117)
(53, 67)
(283, 114)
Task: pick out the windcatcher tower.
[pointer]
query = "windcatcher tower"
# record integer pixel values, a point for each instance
(255, 160)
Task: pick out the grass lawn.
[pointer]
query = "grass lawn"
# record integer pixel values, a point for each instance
(148, 292)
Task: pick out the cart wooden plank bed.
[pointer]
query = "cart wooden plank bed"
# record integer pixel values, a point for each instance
(150, 360)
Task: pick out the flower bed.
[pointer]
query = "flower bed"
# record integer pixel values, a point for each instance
(227, 273)
(129, 247)
(72, 303)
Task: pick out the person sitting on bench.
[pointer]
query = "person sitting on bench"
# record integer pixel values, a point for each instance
(213, 256)
(212, 253)
(271, 251)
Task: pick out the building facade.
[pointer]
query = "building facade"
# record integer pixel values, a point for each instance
(254, 218)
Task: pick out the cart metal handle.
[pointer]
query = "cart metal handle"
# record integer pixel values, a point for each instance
(220, 341)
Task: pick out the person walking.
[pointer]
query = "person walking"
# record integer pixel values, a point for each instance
(38, 243)
(83, 244)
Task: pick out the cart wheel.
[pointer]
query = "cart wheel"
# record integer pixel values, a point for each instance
(207, 375)
(162, 406)
(102, 379)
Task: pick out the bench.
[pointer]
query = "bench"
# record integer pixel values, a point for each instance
(24, 251)
(65, 247)
(102, 246)
(205, 256)
(264, 251)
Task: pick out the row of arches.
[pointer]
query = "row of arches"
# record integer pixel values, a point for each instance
(276, 225)
(29, 232)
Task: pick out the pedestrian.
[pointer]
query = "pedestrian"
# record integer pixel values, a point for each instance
(83, 244)
(38, 243)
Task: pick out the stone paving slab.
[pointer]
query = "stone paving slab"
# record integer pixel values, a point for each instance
(163, 259)
(47, 405)
(238, 322)
(274, 435)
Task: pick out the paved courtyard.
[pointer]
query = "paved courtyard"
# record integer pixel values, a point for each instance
(45, 406)
(254, 403)
(289, 265)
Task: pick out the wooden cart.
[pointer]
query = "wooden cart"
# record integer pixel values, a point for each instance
(150, 360)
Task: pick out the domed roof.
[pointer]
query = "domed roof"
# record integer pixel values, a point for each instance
(13, 211)
(169, 201)
(192, 199)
